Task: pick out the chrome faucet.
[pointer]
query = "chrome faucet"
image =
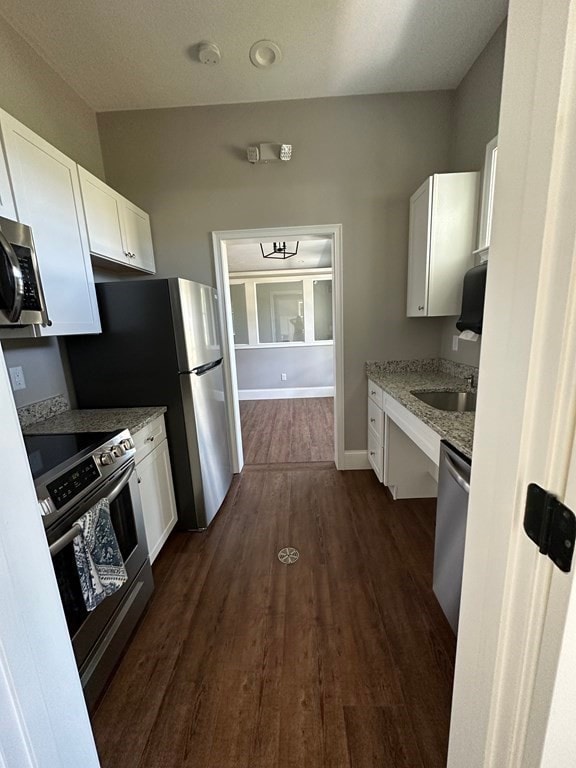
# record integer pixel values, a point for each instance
(471, 381)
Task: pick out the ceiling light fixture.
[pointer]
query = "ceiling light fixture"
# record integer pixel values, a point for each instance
(280, 251)
(265, 54)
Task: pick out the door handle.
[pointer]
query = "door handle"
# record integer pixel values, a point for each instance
(13, 313)
(456, 476)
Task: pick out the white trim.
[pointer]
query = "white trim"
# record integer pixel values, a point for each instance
(285, 345)
(487, 199)
(219, 240)
(285, 393)
(355, 460)
(272, 274)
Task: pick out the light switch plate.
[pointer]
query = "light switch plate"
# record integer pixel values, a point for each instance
(17, 378)
(454, 343)
(283, 377)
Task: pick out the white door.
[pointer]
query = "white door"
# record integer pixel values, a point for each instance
(47, 195)
(419, 250)
(138, 237)
(515, 681)
(102, 208)
(43, 717)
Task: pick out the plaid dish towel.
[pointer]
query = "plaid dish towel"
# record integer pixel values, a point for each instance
(98, 558)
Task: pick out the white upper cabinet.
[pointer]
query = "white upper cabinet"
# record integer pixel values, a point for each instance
(102, 209)
(47, 197)
(441, 241)
(118, 231)
(138, 237)
(7, 207)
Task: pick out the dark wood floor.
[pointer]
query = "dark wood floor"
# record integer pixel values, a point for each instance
(342, 660)
(278, 431)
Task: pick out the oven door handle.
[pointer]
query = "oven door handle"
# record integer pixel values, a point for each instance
(75, 530)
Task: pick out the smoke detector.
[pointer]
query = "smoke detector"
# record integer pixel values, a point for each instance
(265, 53)
(209, 54)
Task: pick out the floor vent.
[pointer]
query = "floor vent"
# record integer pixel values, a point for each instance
(288, 555)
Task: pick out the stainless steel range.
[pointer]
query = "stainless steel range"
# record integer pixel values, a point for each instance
(72, 472)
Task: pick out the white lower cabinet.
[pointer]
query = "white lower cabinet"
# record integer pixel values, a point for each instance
(402, 450)
(156, 487)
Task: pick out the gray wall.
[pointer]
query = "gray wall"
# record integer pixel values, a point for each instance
(356, 162)
(303, 366)
(475, 123)
(36, 95)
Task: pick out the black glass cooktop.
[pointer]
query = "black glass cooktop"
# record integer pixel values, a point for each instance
(48, 451)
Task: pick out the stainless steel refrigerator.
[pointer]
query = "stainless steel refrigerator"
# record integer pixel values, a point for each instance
(160, 345)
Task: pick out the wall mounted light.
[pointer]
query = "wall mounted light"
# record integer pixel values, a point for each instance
(269, 153)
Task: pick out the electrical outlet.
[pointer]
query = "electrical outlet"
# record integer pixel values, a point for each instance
(17, 378)
(454, 343)
(283, 377)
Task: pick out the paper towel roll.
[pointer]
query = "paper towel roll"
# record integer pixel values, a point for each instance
(469, 336)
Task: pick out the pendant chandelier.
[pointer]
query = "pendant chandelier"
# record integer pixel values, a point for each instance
(280, 251)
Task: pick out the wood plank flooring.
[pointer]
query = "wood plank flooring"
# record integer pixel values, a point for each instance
(342, 660)
(279, 431)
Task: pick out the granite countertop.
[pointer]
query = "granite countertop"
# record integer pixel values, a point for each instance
(456, 428)
(96, 420)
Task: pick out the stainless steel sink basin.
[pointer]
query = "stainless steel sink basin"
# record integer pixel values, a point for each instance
(449, 401)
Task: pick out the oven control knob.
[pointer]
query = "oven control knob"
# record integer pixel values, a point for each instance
(127, 443)
(118, 450)
(106, 458)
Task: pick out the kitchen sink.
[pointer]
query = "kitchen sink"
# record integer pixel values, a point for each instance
(449, 401)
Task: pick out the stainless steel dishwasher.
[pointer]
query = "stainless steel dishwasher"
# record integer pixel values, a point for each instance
(451, 512)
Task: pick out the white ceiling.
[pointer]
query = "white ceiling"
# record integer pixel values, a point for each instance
(247, 256)
(136, 54)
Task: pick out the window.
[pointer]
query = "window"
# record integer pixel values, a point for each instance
(239, 313)
(487, 202)
(323, 310)
(274, 311)
(280, 309)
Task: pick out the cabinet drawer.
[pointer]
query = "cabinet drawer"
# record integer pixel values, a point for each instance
(375, 393)
(146, 439)
(376, 420)
(375, 455)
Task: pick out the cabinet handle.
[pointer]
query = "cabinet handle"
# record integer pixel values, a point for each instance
(139, 481)
(372, 392)
(421, 308)
(372, 453)
(150, 439)
(372, 421)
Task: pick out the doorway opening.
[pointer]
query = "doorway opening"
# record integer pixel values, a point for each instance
(281, 318)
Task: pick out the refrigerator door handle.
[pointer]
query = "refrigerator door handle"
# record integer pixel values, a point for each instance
(200, 370)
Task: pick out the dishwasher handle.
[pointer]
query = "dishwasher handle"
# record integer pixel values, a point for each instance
(455, 474)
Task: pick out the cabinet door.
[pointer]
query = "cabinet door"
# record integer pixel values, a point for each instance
(138, 237)
(7, 207)
(418, 250)
(157, 493)
(102, 209)
(47, 196)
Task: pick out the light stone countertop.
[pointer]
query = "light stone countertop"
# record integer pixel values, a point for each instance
(456, 428)
(96, 420)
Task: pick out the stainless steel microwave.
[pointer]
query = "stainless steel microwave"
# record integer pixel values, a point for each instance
(21, 295)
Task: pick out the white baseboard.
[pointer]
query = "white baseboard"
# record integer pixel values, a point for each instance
(355, 460)
(284, 393)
